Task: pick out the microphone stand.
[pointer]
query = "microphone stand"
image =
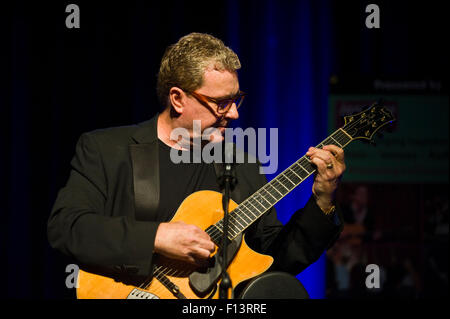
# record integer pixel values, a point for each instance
(226, 181)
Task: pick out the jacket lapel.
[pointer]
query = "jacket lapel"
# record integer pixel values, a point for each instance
(145, 163)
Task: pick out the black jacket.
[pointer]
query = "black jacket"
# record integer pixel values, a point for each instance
(106, 215)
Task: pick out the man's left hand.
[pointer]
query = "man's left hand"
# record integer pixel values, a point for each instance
(330, 165)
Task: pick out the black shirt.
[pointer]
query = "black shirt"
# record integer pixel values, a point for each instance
(178, 181)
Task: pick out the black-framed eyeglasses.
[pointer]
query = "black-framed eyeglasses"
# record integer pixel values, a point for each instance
(223, 105)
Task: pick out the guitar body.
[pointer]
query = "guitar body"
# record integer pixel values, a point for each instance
(203, 209)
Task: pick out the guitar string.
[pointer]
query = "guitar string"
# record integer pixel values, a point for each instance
(160, 275)
(216, 236)
(288, 175)
(170, 272)
(254, 202)
(167, 270)
(234, 218)
(340, 137)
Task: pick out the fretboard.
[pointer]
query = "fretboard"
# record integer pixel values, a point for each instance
(262, 200)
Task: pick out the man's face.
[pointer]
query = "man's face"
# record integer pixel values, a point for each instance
(218, 85)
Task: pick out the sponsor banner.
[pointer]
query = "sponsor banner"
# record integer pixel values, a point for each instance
(416, 149)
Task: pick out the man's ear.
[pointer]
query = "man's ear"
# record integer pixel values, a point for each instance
(177, 99)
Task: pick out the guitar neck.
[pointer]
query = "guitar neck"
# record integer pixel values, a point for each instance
(262, 200)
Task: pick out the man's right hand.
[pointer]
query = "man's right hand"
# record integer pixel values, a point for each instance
(184, 242)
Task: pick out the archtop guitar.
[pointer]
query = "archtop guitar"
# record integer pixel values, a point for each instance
(174, 279)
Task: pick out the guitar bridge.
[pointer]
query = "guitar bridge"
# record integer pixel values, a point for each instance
(141, 294)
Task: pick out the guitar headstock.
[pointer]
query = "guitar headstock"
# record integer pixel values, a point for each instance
(365, 124)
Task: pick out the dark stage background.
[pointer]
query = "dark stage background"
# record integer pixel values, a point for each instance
(56, 83)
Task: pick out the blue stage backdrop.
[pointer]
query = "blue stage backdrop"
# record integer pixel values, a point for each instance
(286, 57)
(60, 83)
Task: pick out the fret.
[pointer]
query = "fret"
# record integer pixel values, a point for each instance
(219, 225)
(241, 215)
(306, 165)
(260, 200)
(309, 166)
(300, 171)
(240, 219)
(344, 133)
(293, 178)
(272, 183)
(279, 182)
(339, 138)
(213, 232)
(293, 171)
(270, 187)
(283, 178)
(234, 218)
(335, 142)
(264, 190)
(257, 205)
(217, 237)
(326, 141)
(231, 229)
(243, 206)
(247, 219)
(234, 227)
(346, 138)
(251, 216)
(249, 201)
